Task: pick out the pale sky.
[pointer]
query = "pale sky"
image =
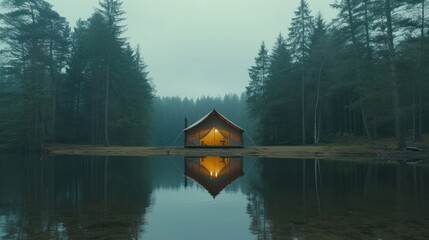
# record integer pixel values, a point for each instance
(199, 47)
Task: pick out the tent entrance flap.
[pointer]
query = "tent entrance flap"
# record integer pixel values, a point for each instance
(214, 138)
(213, 130)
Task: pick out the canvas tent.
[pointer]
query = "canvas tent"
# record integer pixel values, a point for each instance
(214, 173)
(214, 130)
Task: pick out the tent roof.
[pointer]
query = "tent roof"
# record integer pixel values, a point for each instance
(215, 185)
(215, 113)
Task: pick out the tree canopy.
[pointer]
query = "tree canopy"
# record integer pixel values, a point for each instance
(84, 86)
(361, 75)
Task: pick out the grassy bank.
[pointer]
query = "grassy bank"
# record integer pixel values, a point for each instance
(331, 151)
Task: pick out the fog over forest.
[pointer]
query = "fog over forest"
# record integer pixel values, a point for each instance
(362, 75)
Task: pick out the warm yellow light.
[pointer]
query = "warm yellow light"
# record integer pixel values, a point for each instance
(215, 130)
(213, 165)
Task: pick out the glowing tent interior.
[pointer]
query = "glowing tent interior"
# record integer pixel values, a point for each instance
(214, 130)
(214, 173)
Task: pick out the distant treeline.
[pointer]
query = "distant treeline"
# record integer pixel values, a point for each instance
(170, 112)
(86, 85)
(363, 74)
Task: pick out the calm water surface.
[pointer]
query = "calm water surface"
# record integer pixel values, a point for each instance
(158, 198)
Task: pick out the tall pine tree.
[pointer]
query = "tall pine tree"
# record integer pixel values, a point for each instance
(36, 46)
(258, 78)
(108, 88)
(299, 41)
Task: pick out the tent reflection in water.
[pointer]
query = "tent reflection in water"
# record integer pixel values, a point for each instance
(214, 130)
(214, 173)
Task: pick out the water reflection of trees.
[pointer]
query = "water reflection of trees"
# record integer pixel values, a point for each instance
(74, 197)
(260, 224)
(312, 199)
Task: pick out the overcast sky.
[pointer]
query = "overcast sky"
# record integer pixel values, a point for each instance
(199, 47)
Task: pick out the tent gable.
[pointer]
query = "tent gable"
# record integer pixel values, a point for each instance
(213, 115)
(213, 130)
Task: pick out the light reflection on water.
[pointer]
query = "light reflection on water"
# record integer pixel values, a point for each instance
(158, 198)
(194, 214)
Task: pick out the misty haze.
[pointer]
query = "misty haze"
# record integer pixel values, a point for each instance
(275, 119)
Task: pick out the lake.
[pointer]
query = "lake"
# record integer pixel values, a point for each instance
(75, 197)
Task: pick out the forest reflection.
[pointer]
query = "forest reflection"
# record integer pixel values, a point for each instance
(313, 199)
(110, 197)
(73, 198)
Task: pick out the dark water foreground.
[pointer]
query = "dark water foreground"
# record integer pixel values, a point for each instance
(211, 198)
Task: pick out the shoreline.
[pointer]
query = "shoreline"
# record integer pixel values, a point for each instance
(319, 152)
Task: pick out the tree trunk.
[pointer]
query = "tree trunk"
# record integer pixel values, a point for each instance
(106, 109)
(368, 47)
(356, 57)
(76, 113)
(316, 108)
(54, 86)
(95, 110)
(54, 112)
(414, 112)
(304, 142)
(365, 122)
(394, 76)
(42, 128)
(420, 133)
(369, 57)
(318, 127)
(375, 128)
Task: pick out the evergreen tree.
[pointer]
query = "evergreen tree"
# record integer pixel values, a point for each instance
(36, 40)
(354, 15)
(258, 78)
(388, 8)
(112, 12)
(299, 41)
(318, 56)
(350, 71)
(108, 92)
(279, 96)
(418, 29)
